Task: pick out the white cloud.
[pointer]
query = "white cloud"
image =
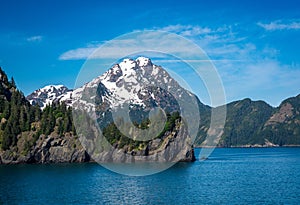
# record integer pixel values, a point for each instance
(35, 39)
(207, 38)
(247, 67)
(78, 53)
(280, 25)
(187, 30)
(266, 79)
(134, 43)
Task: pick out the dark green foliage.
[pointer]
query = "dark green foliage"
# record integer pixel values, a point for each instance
(244, 121)
(170, 123)
(247, 124)
(56, 115)
(17, 115)
(14, 112)
(288, 131)
(12, 83)
(115, 137)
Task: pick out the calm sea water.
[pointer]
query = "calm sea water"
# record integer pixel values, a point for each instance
(229, 176)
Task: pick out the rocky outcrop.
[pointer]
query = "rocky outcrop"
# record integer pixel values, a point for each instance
(174, 146)
(285, 111)
(48, 149)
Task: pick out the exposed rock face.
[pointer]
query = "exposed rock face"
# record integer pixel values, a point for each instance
(285, 111)
(51, 149)
(48, 149)
(174, 146)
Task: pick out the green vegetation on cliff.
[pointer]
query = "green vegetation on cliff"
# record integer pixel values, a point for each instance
(119, 140)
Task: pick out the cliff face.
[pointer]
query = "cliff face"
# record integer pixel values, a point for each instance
(172, 146)
(47, 149)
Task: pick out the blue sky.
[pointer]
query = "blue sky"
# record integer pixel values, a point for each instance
(254, 45)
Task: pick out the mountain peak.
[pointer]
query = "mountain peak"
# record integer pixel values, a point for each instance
(49, 94)
(124, 83)
(143, 61)
(127, 63)
(54, 87)
(140, 62)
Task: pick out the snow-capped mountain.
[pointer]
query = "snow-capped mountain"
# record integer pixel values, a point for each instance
(50, 94)
(137, 83)
(140, 86)
(134, 82)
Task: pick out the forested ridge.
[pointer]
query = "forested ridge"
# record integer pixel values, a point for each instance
(18, 116)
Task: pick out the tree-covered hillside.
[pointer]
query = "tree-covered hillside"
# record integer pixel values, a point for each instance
(244, 120)
(283, 127)
(19, 119)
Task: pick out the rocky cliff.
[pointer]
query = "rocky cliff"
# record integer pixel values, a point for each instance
(47, 149)
(171, 146)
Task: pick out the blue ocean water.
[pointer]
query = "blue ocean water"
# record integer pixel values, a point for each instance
(229, 176)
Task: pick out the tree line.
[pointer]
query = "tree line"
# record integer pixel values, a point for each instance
(17, 115)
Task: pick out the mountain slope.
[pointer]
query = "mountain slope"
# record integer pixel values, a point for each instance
(283, 127)
(245, 119)
(138, 86)
(50, 94)
(15, 112)
(255, 123)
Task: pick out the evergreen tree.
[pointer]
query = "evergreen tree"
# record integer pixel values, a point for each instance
(12, 83)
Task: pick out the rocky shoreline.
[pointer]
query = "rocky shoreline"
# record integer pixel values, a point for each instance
(68, 149)
(50, 149)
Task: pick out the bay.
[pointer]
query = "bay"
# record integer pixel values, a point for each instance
(228, 176)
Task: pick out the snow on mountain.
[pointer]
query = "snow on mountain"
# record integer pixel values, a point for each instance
(50, 94)
(134, 82)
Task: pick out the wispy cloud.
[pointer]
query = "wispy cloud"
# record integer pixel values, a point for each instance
(220, 43)
(187, 30)
(206, 37)
(137, 42)
(280, 25)
(266, 79)
(248, 67)
(78, 53)
(34, 39)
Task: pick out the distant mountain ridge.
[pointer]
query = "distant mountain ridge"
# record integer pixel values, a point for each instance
(50, 94)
